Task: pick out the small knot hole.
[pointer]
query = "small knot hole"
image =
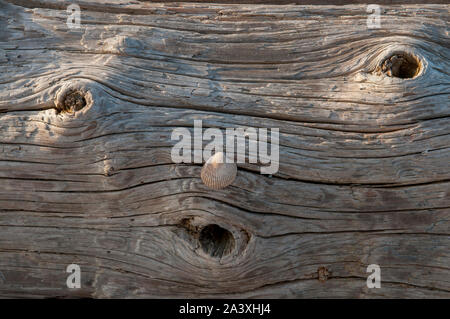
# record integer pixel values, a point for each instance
(323, 274)
(73, 102)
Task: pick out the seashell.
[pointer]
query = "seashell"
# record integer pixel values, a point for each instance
(217, 174)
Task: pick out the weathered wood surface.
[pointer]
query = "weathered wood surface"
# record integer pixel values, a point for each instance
(364, 158)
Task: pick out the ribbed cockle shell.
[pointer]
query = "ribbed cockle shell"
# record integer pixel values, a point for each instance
(218, 174)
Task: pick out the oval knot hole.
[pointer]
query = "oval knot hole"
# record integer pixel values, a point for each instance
(216, 241)
(74, 101)
(323, 274)
(401, 65)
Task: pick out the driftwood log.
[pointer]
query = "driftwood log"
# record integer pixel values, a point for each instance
(86, 175)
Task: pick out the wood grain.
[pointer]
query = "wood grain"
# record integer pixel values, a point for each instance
(364, 175)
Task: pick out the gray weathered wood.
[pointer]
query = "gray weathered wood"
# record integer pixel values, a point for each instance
(364, 157)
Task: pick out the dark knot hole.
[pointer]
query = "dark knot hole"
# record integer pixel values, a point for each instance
(73, 101)
(216, 241)
(402, 65)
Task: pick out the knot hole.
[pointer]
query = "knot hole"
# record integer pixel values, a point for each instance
(216, 241)
(73, 101)
(401, 65)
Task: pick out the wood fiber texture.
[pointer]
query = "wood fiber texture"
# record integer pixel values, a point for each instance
(364, 157)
